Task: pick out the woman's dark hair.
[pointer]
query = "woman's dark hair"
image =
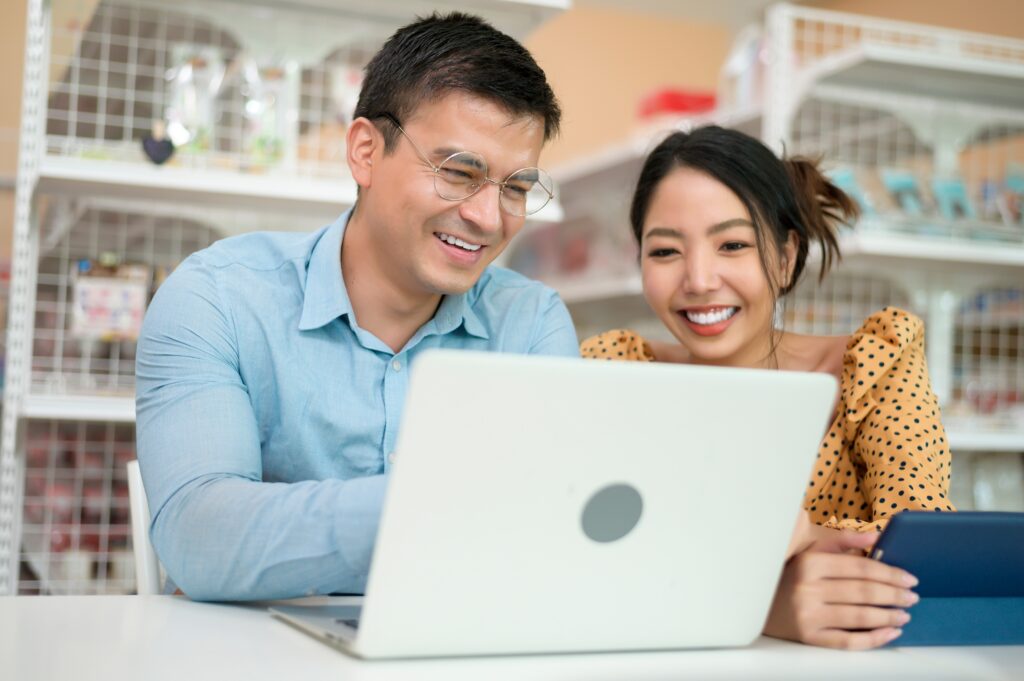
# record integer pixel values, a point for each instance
(435, 55)
(781, 195)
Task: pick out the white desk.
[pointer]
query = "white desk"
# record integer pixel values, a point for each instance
(108, 638)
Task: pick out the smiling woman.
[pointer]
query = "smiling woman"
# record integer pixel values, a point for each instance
(724, 228)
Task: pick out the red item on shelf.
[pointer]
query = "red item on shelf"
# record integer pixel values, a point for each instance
(675, 101)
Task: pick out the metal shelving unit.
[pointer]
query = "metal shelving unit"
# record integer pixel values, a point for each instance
(262, 93)
(868, 96)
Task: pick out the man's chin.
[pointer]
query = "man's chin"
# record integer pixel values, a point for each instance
(455, 286)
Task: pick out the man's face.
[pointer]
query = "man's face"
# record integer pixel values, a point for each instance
(412, 229)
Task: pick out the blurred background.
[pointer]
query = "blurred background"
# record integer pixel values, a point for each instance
(135, 132)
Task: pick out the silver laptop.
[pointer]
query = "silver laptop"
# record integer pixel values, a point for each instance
(542, 505)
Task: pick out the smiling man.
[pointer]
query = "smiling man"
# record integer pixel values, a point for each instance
(272, 368)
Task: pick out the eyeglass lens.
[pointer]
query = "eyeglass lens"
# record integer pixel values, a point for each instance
(524, 192)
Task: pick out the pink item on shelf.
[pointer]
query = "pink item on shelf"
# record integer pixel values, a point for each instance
(61, 538)
(37, 457)
(675, 101)
(60, 497)
(94, 502)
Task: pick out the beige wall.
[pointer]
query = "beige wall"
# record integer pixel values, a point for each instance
(602, 62)
(999, 17)
(12, 48)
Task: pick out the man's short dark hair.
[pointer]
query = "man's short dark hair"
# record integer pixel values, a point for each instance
(439, 54)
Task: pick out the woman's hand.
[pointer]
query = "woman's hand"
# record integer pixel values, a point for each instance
(831, 595)
(806, 534)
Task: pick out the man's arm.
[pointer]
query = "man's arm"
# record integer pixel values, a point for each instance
(219, 530)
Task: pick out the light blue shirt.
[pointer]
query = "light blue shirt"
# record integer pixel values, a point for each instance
(265, 414)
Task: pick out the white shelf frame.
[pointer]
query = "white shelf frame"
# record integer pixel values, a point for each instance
(309, 201)
(79, 407)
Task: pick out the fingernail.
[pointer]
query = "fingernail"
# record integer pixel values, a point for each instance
(910, 598)
(902, 618)
(896, 633)
(909, 579)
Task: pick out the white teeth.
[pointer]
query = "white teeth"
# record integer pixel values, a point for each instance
(455, 241)
(708, 318)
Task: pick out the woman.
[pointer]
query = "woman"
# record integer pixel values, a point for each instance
(724, 229)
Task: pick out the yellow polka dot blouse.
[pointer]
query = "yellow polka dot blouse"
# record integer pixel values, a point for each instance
(886, 449)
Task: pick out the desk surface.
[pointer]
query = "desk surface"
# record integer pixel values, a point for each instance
(161, 637)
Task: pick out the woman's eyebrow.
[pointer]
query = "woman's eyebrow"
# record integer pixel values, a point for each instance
(673, 233)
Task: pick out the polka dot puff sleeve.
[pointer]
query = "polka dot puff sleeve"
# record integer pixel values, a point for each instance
(886, 450)
(619, 344)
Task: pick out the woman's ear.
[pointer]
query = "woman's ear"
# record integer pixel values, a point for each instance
(364, 142)
(789, 259)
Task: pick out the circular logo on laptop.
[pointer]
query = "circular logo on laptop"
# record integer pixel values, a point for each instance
(612, 513)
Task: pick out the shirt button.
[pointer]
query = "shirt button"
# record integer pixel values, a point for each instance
(391, 457)
(396, 365)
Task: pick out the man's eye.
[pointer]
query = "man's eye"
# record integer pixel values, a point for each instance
(457, 175)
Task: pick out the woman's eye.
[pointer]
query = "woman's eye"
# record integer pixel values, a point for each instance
(661, 252)
(734, 246)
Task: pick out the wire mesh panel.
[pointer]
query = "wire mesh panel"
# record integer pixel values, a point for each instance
(918, 171)
(76, 535)
(178, 82)
(819, 35)
(840, 304)
(83, 342)
(988, 368)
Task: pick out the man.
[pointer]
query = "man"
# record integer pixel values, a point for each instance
(272, 368)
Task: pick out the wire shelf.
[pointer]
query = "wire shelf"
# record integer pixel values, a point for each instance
(69, 357)
(270, 106)
(76, 535)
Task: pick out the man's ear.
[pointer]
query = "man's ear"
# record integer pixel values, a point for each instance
(364, 142)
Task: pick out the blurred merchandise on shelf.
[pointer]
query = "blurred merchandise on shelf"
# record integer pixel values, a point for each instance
(905, 191)
(989, 364)
(847, 180)
(76, 527)
(573, 250)
(998, 482)
(109, 298)
(951, 198)
(98, 270)
(157, 146)
(269, 109)
(662, 109)
(232, 97)
(194, 81)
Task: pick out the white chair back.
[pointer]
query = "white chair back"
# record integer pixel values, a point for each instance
(147, 566)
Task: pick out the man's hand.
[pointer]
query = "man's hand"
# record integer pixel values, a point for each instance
(831, 595)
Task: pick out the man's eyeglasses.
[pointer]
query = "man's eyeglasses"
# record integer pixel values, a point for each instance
(462, 174)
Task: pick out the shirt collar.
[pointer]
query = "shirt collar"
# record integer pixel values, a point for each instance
(326, 297)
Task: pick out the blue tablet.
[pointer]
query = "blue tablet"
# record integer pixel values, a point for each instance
(970, 566)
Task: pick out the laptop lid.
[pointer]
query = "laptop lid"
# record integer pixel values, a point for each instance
(543, 504)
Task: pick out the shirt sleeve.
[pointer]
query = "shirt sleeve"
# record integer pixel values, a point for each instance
(221, 532)
(895, 425)
(555, 333)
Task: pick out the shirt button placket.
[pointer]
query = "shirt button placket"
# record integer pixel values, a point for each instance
(393, 389)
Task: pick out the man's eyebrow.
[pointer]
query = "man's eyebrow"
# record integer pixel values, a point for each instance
(672, 233)
(445, 152)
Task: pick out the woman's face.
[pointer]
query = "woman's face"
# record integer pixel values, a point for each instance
(702, 274)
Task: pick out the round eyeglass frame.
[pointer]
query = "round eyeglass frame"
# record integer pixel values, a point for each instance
(548, 192)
